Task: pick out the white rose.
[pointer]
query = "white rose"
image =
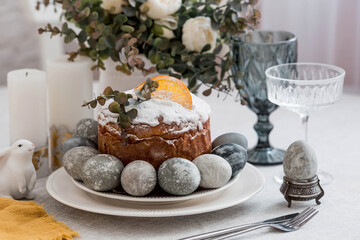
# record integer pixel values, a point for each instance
(168, 24)
(114, 6)
(197, 32)
(157, 9)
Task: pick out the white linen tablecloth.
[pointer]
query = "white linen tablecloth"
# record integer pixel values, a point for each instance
(333, 132)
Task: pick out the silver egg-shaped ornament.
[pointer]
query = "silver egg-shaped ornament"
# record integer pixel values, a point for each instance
(300, 161)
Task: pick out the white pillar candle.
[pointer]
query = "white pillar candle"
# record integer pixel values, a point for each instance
(69, 84)
(27, 106)
(28, 113)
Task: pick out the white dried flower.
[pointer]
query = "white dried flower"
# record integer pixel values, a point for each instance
(197, 32)
(158, 9)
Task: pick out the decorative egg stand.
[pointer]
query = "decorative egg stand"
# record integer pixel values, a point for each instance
(302, 190)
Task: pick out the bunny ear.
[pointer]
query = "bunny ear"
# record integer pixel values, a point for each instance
(4, 154)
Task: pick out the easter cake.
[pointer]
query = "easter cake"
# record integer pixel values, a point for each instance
(173, 123)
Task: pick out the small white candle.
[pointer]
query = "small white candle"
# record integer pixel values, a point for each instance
(69, 84)
(27, 106)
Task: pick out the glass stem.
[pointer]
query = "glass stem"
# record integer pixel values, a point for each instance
(304, 123)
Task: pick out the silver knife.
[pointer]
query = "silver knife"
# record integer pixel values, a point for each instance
(232, 229)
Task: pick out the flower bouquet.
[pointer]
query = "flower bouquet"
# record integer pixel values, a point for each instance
(180, 38)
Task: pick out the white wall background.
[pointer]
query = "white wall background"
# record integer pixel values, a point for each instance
(328, 31)
(19, 47)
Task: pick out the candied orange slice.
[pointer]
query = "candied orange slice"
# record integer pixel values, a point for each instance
(171, 89)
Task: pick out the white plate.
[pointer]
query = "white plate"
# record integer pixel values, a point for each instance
(155, 199)
(60, 186)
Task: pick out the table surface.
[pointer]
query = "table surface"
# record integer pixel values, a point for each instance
(334, 134)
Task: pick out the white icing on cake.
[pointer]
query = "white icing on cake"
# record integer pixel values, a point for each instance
(149, 112)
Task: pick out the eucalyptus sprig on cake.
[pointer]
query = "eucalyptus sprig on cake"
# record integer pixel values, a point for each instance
(121, 100)
(181, 38)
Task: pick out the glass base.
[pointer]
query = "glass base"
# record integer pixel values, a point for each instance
(266, 156)
(324, 177)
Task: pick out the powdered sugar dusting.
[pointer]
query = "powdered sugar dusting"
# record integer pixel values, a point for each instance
(171, 112)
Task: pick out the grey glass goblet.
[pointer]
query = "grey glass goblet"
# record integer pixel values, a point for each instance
(253, 53)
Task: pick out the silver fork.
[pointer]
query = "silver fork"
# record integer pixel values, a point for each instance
(288, 226)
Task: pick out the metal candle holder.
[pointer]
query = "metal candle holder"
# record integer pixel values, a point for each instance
(301, 190)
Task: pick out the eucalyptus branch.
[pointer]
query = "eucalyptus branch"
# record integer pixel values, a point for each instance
(123, 35)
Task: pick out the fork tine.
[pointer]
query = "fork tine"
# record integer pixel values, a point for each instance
(301, 214)
(306, 213)
(307, 219)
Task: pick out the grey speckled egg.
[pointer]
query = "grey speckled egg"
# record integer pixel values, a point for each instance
(178, 176)
(88, 128)
(76, 142)
(231, 137)
(138, 178)
(234, 154)
(300, 161)
(75, 158)
(214, 170)
(102, 172)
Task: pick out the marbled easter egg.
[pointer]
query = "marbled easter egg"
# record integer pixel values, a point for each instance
(300, 161)
(234, 154)
(102, 172)
(178, 176)
(76, 142)
(75, 158)
(215, 171)
(231, 137)
(87, 128)
(138, 178)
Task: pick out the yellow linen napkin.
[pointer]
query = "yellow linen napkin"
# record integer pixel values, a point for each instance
(26, 220)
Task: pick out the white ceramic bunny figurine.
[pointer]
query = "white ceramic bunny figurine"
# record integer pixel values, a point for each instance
(17, 172)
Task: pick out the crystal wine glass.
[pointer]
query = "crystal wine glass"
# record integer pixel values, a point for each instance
(304, 88)
(253, 53)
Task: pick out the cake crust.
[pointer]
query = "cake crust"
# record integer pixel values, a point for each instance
(155, 144)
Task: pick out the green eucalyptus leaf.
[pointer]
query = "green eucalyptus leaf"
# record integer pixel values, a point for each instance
(157, 30)
(114, 107)
(65, 28)
(124, 118)
(121, 97)
(157, 42)
(161, 65)
(206, 48)
(82, 36)
(120, 19)
(92, 54)
(165, 44)
(69, 37)
(127, 28)
(108, 91)
(109, 41)
(130, 12)
(93, 104)
(132, 113)
(164, 71)
(125, 125)
(207, 92)
(101, 100)
(179, 67)
(100, 45)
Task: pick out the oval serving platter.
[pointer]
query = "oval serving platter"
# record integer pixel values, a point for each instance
(155, 198)
(246, 186)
